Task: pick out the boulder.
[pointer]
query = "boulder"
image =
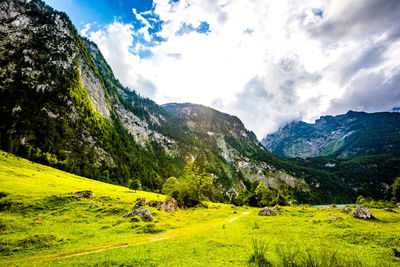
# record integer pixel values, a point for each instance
(333, 217)
(266, 211)
(347, 209)
(362, 212)
(153, 203)
(140, 202)
(84, 194)
(233, 206)
(168, 205)
(144, 213)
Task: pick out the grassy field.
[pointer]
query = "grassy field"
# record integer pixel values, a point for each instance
(41, 224)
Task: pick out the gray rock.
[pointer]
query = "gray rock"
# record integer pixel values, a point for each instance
(362, 212)
(333, 217)
(84, 194)
(140, 202)
(266, 211)
(233, 206)
(153, 203)
(347, 210)
(168, 205)
(144, 213)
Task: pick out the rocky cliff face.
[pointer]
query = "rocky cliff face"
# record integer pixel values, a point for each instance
(40, 61)
(224, 138)
(349, 135)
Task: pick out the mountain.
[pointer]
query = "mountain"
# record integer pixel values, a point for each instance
(349, 135)
(56, 108)
(361, 149)
(61, 105)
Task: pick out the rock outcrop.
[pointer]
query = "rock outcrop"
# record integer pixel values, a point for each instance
(169, 205)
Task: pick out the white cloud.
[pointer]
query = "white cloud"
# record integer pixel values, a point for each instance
(268, 62)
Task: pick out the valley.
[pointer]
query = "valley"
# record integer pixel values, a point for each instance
(95, 172)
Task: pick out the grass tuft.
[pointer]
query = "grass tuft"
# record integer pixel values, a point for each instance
(258, 257)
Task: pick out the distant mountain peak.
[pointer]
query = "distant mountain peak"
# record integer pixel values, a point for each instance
(352, 134)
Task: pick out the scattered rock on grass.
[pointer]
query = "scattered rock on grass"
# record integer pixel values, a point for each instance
(233, 206)
(168, 205)
(84, 194)
(333, 217)
(362, 212)
(144, 213)
(266, 211)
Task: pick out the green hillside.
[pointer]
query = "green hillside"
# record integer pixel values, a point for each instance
(41, 224)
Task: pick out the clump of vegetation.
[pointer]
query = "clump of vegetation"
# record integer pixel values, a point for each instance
(294, 257)
(150, 228)
(372, 203)
(32, 242)
(193, 186)
(258, 257)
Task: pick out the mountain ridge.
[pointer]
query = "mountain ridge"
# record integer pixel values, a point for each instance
(347, 135)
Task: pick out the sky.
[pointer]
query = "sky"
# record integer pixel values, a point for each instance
(267, 62)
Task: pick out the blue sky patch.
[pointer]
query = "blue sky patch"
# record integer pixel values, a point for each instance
(318, 12)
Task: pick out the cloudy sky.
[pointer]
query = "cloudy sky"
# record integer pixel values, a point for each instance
(267, 62)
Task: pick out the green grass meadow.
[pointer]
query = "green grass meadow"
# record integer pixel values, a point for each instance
(41, 224)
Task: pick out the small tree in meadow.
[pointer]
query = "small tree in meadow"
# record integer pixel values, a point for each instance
(191, 187)
(136, 185)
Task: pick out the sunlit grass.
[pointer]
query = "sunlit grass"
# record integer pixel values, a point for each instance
(41, 222)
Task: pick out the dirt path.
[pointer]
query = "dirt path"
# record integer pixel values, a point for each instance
(153, 239)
